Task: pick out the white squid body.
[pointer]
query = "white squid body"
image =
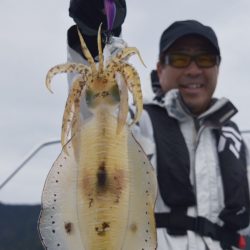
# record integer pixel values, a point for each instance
(101, 191)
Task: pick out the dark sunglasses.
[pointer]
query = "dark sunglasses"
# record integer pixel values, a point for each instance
(182, 60)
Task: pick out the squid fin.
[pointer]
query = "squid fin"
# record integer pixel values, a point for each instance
(141, 231)
(58, 222)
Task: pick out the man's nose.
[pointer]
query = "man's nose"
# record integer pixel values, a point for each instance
(193, 69)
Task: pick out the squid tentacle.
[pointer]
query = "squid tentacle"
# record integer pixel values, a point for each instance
(100, 54)
(72, 106)
(132, 80)
(86, 53)
(125, 53)
(65, 68)
(123, 110)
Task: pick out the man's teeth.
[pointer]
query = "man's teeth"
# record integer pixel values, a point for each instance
(194, 86)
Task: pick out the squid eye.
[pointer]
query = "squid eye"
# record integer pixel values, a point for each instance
(115, 93)
(89, 97)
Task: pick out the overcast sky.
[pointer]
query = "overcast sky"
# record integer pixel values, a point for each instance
(33, 39)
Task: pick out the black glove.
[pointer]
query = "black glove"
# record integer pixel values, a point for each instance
(88, 14)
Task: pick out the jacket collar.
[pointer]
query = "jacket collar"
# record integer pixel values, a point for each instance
(217, 115)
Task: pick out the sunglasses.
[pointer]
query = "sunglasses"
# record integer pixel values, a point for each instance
(182, 60)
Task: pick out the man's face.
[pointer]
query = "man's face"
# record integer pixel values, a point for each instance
(196, 84)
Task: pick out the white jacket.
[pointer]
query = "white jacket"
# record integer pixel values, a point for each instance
(206, 180)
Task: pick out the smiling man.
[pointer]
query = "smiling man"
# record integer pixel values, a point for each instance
(189, 61)
(203, 200)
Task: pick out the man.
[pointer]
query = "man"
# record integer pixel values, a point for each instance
(199, 150)
(203, 200)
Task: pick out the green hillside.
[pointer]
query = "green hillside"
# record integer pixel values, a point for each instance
(18, 227)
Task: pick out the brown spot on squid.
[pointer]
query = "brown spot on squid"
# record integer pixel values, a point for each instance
(68, 227)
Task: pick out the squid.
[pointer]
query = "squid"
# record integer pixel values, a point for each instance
(100, 192)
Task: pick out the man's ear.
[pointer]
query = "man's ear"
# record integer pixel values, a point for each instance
(159, 68)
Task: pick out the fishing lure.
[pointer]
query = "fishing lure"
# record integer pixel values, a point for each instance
(101, 190)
